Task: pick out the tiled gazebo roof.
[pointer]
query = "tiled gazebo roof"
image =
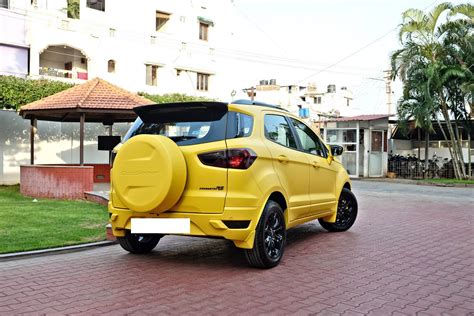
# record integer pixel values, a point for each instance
(98, 99)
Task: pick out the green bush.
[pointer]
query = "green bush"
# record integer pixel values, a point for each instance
(16, 92)
(172, 97)
(73, 9)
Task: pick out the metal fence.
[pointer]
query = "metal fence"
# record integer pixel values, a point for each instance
(411, 167)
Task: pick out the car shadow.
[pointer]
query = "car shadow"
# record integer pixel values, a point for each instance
(221, 253)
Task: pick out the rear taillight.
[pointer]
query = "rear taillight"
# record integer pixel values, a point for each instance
(235, 158)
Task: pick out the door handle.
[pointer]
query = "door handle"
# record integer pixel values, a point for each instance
(283, 159)
(315, 164)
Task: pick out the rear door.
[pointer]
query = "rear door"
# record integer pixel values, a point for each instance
(322, 173)
(291, 165)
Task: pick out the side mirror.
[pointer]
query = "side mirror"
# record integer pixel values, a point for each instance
(336, 150)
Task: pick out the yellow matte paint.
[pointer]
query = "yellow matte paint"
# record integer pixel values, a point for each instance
(149, 173)
(309, 192)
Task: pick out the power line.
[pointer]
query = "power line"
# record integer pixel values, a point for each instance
(358, 50)
(260, 29)
(226, 52)
(124, 35)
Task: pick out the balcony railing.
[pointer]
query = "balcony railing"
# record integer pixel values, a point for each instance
(62, 73)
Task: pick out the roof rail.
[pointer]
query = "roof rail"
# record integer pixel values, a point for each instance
(258, 103)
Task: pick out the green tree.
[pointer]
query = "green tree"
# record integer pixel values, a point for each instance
(172, 97)
(73, 9)
(15, 92)
(433, 64)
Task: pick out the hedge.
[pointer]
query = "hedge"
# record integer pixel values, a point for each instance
(172, 97)
(16, 92)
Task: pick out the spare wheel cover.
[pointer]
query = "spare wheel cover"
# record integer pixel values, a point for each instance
(149, 173)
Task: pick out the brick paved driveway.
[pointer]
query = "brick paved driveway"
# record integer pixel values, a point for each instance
(411, 251)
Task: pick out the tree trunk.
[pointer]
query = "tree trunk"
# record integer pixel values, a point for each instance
(459, 139)
(427, 145)
(469, 168)
(456, 170)
(456, 158)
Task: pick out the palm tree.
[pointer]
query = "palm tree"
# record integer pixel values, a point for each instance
(433, 64)
(416, 103)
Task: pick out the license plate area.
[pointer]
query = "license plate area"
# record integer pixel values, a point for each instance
(161, 225)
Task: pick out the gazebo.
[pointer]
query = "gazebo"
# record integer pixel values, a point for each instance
(94, 101)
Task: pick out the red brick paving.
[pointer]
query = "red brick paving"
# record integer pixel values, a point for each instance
(398, 259)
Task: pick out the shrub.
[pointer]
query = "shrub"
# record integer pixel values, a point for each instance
(172, 97)
(16, 92)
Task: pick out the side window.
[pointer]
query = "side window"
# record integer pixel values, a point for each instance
(238, 125)
(309, 140)
(278, 131)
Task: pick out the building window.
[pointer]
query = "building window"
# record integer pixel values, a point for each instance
(203, 31)
(202, 82)
(161, 19)
(4, 4)
(151, 75)
(317, 100)
(111, 66)
(96, 4)
(112, 32)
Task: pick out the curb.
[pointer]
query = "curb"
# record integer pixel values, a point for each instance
(66, 249)
(415, 182)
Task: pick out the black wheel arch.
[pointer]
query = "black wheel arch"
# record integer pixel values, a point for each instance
(279, 198)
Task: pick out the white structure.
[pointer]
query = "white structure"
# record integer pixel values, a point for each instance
(320, 104)
(365, 142)
(55, 143)
(13, 44)
(153, 46)
(331, 102)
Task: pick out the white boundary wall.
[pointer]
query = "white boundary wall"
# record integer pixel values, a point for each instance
(55, 143)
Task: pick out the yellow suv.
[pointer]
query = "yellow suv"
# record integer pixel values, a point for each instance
(244, 171)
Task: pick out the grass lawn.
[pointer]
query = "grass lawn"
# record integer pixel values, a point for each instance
(449, 181)
(28, 225)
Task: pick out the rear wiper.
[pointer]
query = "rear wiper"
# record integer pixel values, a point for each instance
(179, 138)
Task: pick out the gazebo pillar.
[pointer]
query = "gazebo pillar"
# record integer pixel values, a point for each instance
(81, 139)
(33, 126)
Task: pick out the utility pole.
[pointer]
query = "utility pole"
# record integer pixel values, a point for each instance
(388, 89)
(250, 93)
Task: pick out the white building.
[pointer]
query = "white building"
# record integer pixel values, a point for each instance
(153, 46)
(306, 101)
(13, 45)
(329, 102)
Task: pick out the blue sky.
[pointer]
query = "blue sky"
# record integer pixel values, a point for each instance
(323, 32)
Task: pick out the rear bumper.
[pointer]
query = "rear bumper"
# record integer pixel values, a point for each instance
(211, 225)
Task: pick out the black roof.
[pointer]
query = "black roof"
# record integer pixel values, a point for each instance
(258, 103)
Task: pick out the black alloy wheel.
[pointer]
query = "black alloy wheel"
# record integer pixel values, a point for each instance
(270, 238)
(137, 244)
(346, 213)
(273, 235)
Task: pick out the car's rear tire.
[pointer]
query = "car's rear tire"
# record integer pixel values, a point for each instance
(270, 238)
(346, 213)
(138, 244)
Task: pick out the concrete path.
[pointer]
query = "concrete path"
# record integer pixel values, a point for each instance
(411, 252)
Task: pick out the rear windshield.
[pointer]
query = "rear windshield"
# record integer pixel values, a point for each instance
(184, 132)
